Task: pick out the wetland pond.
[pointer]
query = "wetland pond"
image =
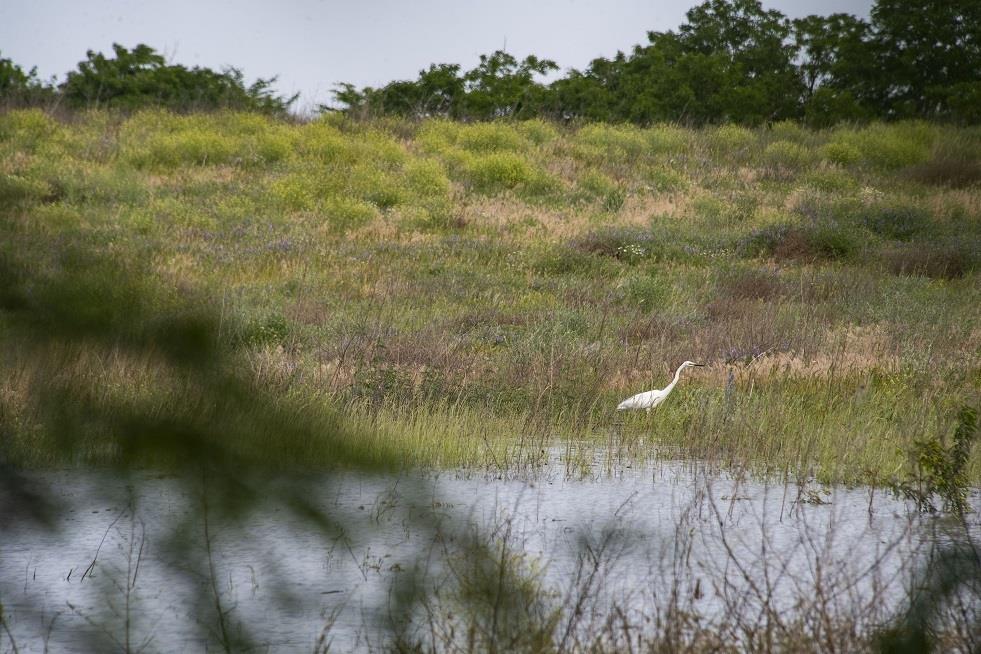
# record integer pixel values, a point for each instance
(135, 563)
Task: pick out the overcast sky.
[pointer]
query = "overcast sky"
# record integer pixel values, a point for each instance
(313, 44)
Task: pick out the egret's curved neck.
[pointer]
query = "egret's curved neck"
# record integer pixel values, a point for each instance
(677, 376)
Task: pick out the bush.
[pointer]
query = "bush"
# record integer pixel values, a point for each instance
(950, 260)
(325, 143)
(194, 147)
(499, 171)
(427, 179)
(28, 128)
(490, 137)
(784, 154)
(821, 240)
(830, 240)
(643, 290)
(296, 192)
(830, 180)
(897, 222)
(890, 147)
(946, 171)
(604, 189)
(379, 187)
(840, 153)
(16, 190)
(664, 180)
(480, 138)
(613, 141)
(667, 139)
(788, 130)
(537, 131)
(346, 213)
(731, 139)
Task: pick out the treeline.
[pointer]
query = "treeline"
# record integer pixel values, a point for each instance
(731, 61)
(139, 78)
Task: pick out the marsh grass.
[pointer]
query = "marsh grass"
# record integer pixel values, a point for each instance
(460, 292)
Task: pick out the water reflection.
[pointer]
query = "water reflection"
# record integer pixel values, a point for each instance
(653, 547)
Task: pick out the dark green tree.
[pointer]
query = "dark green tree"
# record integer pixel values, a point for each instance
(836, 67)
(20, 88)
(141, 77)
(588, 94)
(503, 87)
(749, 53)
(929, 58)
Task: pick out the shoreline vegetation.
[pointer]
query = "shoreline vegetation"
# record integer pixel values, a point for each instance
(463, 295)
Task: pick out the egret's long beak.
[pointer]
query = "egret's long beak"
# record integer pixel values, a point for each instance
(700, 365)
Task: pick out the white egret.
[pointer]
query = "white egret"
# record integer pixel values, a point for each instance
(650, 399)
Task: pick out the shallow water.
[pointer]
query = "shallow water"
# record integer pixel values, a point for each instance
(137, 548)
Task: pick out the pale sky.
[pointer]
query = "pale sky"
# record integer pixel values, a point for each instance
(314, 44)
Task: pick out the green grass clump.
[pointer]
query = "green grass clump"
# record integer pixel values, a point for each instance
(889, 147)
(824, 240)
(899, 222)
(841, 152)
(830, 180)
(500, 171)
(538, 131)
(29, 128)
(667, 139)
(601, 188)
(731, 140)
(346, 213)
(613, 141)
(786, 154)
(16, 190)
(440, 136)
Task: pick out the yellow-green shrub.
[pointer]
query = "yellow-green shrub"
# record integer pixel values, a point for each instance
(379, 148)
(437, 136)
(664, 179)
(597, 183)
(426, 178)
(32, 130)
(728, 139)
(15, 190)
(296, 192)
(325, 144)
(785, 154)
(379, 187)
(891, 146)
(194, 147)
(499, 171)
(788, 130)
(840, 153)
(830, 179)
(491, 137)
(667, 139)
(613, 141)
(538, 131)
(346, 213)
(603, 188)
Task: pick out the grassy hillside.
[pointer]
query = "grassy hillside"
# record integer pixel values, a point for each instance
(460, 290)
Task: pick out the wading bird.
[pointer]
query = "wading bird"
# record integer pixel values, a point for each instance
(650, 399)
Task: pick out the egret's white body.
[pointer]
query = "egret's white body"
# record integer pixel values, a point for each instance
(650, 399)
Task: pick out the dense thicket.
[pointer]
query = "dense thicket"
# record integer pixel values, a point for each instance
(138, 78)
(731, 61)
